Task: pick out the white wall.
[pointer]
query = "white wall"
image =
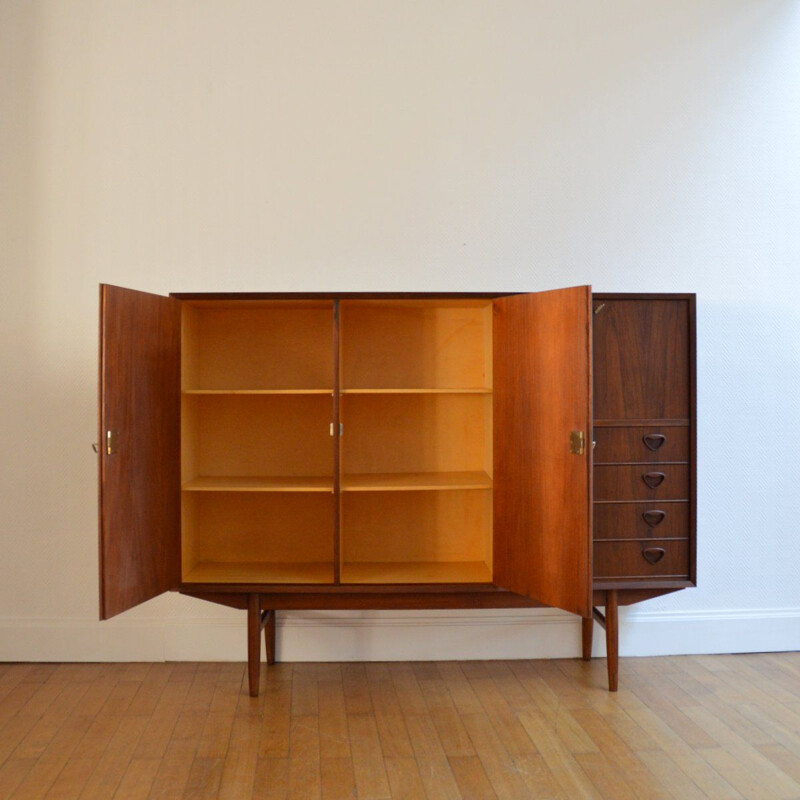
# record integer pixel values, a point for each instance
(379, 145)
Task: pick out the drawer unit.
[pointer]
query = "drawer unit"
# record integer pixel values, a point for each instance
(648, 444)
(648, 520)
(635, 559)
(641, 482)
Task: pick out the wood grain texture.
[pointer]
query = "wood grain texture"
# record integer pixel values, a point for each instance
(408, 344)
(612, 639)
(139, 492)
(256, 527)
(263, 572)
(542, 391)
(698, 727)
(645, 520)
(630, 559)
(254, 625)
(423, 526)
(416, 572)
(630, 444)
(250, 345)
(587, 634)
(619, 482)
(271, 483)
(415, 481)
(641, 352)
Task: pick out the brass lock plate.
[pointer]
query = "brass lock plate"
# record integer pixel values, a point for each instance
(577, 443)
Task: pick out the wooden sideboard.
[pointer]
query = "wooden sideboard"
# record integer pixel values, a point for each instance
(396, 451)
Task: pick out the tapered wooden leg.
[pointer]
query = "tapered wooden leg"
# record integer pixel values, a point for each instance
(268, 621)
(253, 642)
(612, 639)
(587, 629)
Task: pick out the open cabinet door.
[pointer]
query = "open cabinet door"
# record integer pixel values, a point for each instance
(139, 446)
(542, 491)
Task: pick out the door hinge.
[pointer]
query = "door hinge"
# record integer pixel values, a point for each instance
(333, 428)
(111, 443)
(577, 443)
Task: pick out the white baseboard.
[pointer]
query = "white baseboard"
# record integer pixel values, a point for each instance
(399, 635)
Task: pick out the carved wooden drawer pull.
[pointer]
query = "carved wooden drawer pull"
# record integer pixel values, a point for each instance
(653, 554)
(653, 479)
(654, 517)
(654, 440)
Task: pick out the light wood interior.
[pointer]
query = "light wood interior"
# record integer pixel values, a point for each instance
(256, 437)
(416, 450)
(415, 481)
(251, 345)
(260, 572)
(258, 537)
(261, 483)
(419, 433)
(416, 344)
(417, 536)
(416, 572)
(257, 455)
(415, 454)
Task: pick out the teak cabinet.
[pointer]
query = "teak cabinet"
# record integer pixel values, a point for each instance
(290, 451)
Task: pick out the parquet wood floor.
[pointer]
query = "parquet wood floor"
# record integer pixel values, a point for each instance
(684, 727)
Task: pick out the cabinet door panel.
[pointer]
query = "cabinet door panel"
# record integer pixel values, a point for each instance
(542, 492)
(140, 479)
(641, 352)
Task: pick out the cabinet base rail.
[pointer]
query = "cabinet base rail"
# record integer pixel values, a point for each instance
(258, 620)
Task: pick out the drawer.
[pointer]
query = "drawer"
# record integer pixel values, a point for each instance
(641, 444)
(641, 482)
(655, 558)
(641, 520)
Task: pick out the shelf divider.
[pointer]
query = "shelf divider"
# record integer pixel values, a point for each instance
(265, 483)
(415, 481)
(454, 390)
(258, 391)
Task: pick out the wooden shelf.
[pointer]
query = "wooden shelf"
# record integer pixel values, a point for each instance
(266, 483)
(416, 572)
(415, 481)
(476, 390)
(259, 572)
(258, 391)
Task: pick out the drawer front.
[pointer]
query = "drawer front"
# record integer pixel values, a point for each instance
(641, 444)
(641, 482)
(641, 520)
(655, 558)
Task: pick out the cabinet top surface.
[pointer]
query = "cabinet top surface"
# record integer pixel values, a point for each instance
(404, 295)
(336, 295)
